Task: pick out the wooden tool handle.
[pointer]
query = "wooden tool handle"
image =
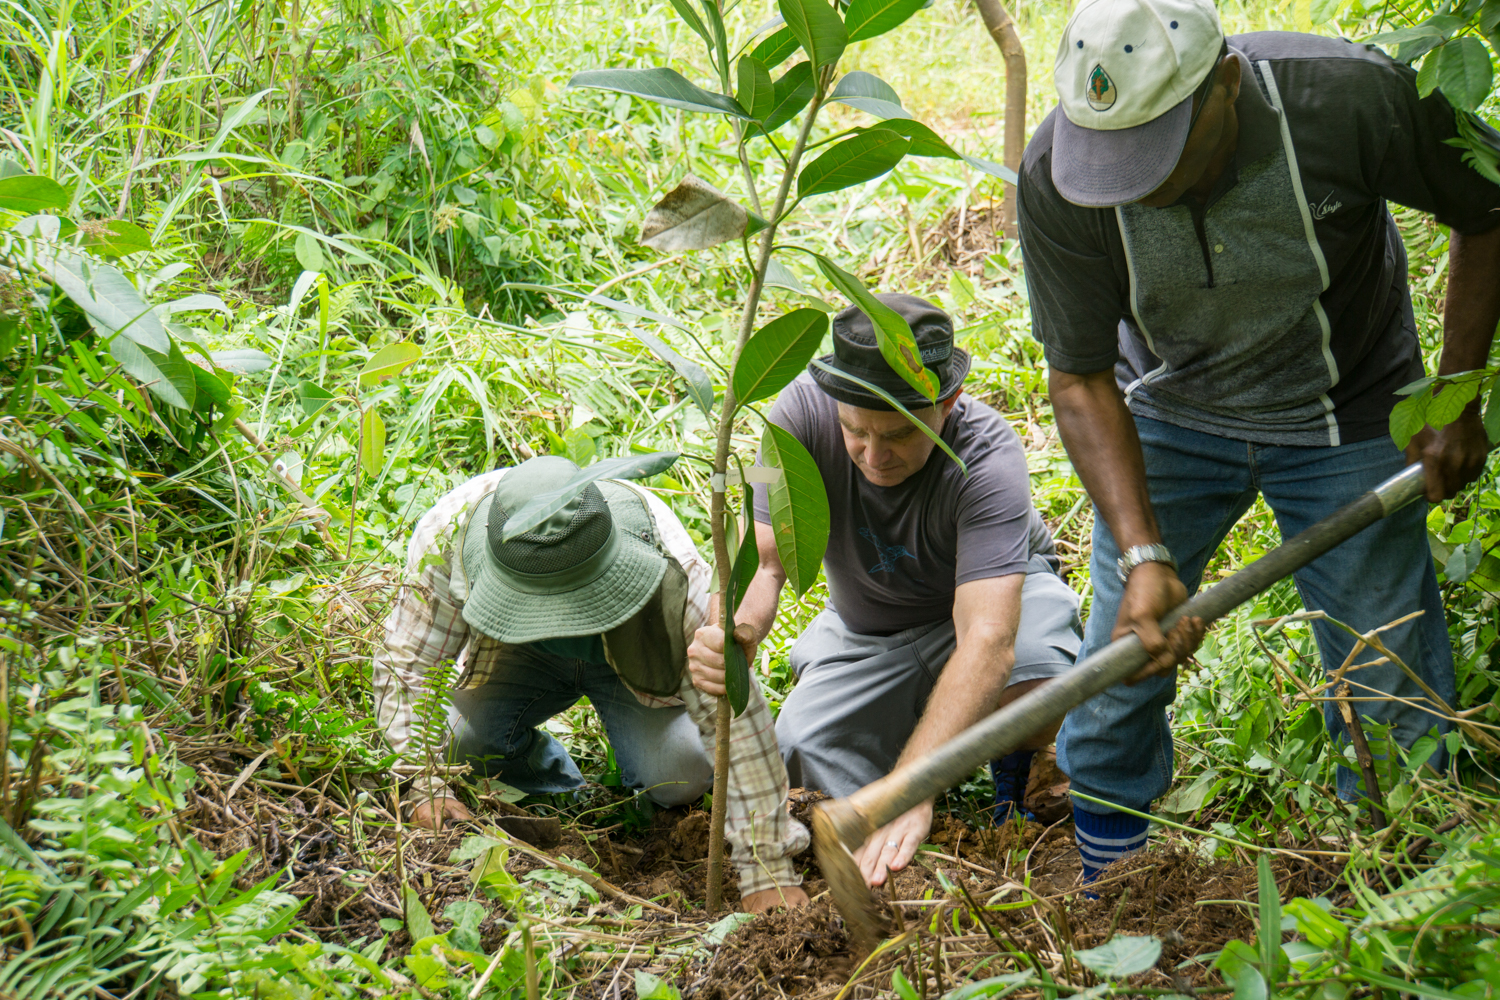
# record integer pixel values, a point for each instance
(881, 801)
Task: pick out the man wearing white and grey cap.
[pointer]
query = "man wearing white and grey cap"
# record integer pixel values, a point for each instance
(1221, 293)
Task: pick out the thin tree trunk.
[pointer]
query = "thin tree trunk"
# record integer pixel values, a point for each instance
(1002, 28)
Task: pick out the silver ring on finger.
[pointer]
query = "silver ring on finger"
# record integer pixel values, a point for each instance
(892, 843)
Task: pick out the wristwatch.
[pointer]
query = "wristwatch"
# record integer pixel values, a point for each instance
(1137, 554)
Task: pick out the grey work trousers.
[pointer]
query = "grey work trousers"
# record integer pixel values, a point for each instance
(858, 697)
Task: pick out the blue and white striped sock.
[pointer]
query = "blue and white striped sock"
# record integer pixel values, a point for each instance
(1107, 837)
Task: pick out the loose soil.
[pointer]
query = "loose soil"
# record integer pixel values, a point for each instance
(1024, 877)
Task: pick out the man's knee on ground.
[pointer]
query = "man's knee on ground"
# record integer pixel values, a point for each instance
(679, 773)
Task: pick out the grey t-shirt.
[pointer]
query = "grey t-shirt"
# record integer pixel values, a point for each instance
(896, 553)
(1278, 312)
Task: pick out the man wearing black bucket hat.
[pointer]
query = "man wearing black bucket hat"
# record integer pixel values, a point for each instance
(945, 601)
(1222, 295)
(600, 601)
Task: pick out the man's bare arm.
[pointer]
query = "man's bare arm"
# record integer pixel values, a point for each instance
(1454, 456)
(1099, 434)
(753, 619)
(986, 614)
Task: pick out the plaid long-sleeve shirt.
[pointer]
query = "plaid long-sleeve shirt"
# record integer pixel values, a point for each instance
(427, 627)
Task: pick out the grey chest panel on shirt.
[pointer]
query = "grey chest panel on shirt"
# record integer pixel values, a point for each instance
(1248, 349)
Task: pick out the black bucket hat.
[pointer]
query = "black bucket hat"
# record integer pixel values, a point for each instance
(856, 351)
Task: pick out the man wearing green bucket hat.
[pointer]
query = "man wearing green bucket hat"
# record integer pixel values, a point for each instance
(601, 601)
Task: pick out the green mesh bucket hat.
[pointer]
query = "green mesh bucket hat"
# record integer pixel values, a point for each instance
(585, 570)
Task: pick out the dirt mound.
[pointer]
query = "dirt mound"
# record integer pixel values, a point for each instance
(791, 953)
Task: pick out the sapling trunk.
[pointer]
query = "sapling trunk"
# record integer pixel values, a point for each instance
(719, 509)
(1002, 28)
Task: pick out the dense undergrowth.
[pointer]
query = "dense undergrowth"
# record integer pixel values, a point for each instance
(361, 230)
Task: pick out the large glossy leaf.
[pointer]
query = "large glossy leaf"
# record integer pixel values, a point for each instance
(776, 48)
(719, 39)
(1419, 39)
(777, 353)
(746, 564)
(869, 93)
(542, 506)
(168, 375)
(662, 85)
(790, 95)
(1492, 413)
(855, 160)
(108, 297)
(27, 193)
(388, 362)
(700, 386)
(687, 13)
(244, 360)
(1125, 955)
(116, 238)
(799, 507)
(212, 387)
(1464, 72)
(992, 168)
(695, 215)
(868, 18)
(736, 677)
(1268, 935)
(924, 141)
(897, 345)
(817, 28)
(756, 93)
(371, 442)
(894, 404)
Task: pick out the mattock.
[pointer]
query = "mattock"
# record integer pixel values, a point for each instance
(842, 825)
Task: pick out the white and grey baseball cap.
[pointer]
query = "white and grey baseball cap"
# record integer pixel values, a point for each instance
(1126, 73)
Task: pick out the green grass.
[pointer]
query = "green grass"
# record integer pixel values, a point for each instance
(163, 592)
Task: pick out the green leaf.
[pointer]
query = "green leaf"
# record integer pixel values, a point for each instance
(371, 442)
(1463, 560)
(1489, 17)
(418, 921)
(314, 398)
(903, 986)
(924, 141)
(700, 386)
(817, 28)
(662, 85)
(649, 987)
(1320, 11)
(694, 215)
(1448, 404)
(897, 345)
(688, 14)
(869, 93)
(992, 168)
(776, 353)
(388, 362)
(26, 193)
(868, 18)
(1492, 413)
(116, 238)
(242, 360)
(1268, 937)
(542, 506)
(746, 564)
(212, 388)
(756, 92)
(1409, 416)
(719, 44)
(171, 382)
(1427, 76)
(791, 94)
(857, 159)
(736, 677)
(309, 254)
(996, 986)
(1464, 72)
(776, 48)
(799, 507)
(1124, 955)
(107, 296)
(1189, 798)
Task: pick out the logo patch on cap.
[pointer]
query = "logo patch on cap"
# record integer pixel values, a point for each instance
(1102, 91)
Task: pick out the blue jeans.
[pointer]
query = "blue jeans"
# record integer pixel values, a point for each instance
(1117, 746)
(495, 729)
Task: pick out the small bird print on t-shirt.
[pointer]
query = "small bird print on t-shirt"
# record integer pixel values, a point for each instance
(888, 553)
